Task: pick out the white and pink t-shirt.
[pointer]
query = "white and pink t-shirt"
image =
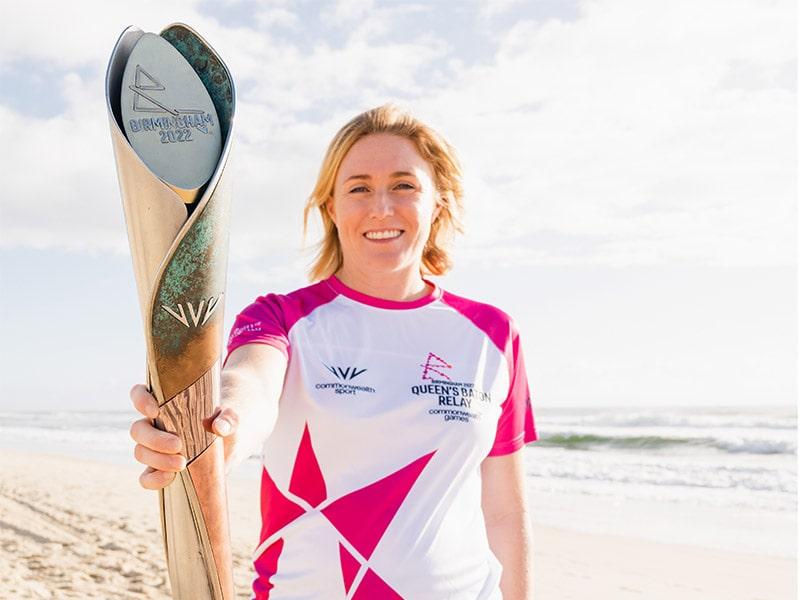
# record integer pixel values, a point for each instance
(371, 483)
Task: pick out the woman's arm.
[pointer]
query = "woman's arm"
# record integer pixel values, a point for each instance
(251, 386)
(508, 527)
(251, 382)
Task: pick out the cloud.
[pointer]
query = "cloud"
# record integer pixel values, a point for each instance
(59, 176)
(638, 133)
(277, 16)
(491, 8)
(622, 124)
(343, 11)
(69, 34)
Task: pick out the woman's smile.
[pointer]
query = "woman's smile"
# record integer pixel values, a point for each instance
(383, 235)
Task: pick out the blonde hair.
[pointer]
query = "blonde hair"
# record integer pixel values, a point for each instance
(439, 154)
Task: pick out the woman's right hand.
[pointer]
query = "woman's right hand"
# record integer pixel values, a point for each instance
(159, 450)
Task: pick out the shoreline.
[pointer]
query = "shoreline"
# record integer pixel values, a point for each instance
(78, 528)
(695, 516)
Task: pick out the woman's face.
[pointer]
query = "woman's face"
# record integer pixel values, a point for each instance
(384, 202)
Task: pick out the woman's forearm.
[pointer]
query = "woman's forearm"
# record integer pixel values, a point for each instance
(251, 387)
(257, 411)
(510, 540)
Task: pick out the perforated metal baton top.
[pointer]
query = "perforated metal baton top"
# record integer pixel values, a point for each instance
(168, 116)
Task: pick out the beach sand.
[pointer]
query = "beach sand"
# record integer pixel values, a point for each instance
(72, 528)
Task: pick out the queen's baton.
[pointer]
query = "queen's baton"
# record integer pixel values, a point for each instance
(170, 102)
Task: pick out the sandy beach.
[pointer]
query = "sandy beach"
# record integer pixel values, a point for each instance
(72, 528)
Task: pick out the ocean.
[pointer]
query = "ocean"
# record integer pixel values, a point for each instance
(688, 475)
(713, 456)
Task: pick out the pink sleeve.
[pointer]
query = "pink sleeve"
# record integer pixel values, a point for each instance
(515, 427)
(262, 322)
(269, 319)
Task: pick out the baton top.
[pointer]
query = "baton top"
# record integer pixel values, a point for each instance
(168, 116)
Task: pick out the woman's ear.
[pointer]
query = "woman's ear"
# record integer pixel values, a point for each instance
(329, 209)
(436, 210)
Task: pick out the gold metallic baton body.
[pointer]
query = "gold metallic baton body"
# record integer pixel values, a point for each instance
(170, 102)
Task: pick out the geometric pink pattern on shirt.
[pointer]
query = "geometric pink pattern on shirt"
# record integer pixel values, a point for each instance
(266, 566)
(276, 509)
(362, 516)
(373, 587)
(350, 567)
(307, 481)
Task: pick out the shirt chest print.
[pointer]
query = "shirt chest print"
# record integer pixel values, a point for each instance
(455, 401)
(361, 517)
(345, 384)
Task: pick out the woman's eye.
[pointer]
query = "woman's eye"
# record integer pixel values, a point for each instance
(404, 185)
(360, 188)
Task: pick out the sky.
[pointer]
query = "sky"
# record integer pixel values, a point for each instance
(630, 175)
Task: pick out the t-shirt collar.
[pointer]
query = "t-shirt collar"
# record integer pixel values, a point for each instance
(433, 294)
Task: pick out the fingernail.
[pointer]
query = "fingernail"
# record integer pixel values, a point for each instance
(222, 427)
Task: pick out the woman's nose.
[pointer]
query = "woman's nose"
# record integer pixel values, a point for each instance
(382, 204)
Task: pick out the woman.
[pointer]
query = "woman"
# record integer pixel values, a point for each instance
(394, 412)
